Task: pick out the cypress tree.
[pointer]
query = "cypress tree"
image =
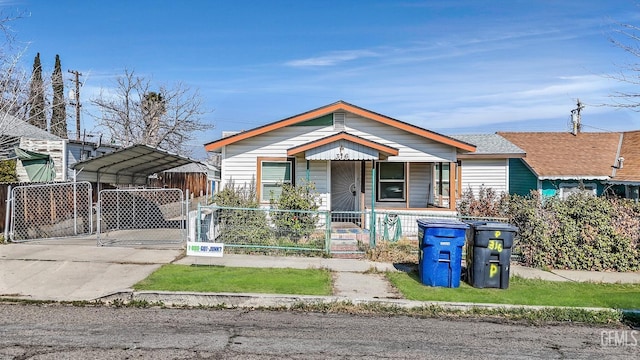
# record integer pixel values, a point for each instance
(36, 96)
(59, 114)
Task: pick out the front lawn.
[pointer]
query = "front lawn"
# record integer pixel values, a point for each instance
(238, 280)
(524, 292)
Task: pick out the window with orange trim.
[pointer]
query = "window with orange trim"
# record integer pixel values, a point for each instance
(391, 181)
(273, 175)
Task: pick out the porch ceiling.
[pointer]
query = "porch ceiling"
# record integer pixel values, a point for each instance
(343, 146)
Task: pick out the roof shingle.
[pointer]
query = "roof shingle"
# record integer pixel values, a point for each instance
(630, 151)
(587, 155)
(489, 144)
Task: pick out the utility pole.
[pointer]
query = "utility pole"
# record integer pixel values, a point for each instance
(575, 118)
(75, 100)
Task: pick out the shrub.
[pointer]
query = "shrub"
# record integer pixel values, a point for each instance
(486, 204)
(8, 171)
(296, 224)
(582, 232)
(244, 222)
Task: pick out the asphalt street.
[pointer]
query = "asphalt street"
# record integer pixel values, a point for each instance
(66, 332)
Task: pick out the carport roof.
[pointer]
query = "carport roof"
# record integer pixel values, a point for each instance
(131, 165)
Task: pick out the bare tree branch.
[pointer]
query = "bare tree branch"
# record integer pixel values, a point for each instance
(627, 38)
(15, 96)
(134, 112)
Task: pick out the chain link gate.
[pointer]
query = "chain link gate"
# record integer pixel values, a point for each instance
(141, 216)
(48, 211)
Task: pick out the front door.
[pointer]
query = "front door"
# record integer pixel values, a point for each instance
(343, 185)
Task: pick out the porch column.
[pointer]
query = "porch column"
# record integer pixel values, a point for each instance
(372, 230)
(408, 185)
(453, 186)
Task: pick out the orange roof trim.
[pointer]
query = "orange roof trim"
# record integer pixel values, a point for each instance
(339, 106)
(343, 136)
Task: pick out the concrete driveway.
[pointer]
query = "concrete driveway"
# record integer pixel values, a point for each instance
(55, 270)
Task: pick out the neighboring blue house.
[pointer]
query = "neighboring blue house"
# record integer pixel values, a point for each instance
(559, 163)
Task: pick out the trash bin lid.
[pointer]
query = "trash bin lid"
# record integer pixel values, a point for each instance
(442, 223)
(492, 225)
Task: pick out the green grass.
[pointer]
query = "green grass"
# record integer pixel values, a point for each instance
(238, 280)
(525, 292)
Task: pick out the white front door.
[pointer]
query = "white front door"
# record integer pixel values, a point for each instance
(344, 185)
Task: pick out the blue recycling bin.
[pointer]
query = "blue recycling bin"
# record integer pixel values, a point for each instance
(441, 242)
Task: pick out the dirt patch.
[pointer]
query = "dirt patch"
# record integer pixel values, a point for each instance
(401, 251)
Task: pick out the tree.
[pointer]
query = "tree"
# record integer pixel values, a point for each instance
(134, 112)
(627, 38)
(14, 84)
(58, 122)
(153, 108)
(36, 96)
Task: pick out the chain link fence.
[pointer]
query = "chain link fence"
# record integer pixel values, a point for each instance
(141, 216)
(338, 233)
(47, 211)
(265, 229)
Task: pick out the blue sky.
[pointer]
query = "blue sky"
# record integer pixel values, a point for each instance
(449, 66)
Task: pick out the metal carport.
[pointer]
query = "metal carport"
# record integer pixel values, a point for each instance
(128, 216)
(131, 165)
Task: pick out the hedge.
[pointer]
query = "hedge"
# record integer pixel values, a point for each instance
(583, 232)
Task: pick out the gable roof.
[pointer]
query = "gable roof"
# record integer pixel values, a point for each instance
(630, 151)
(560, 155)
(15, 127)
(490, 146)
(338, 107)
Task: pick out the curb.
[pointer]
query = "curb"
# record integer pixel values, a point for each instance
(247, 300)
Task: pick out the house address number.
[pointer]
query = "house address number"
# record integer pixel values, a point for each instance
(342, 155)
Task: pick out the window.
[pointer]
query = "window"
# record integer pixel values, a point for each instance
(567, 189)
(458, 184)
(273, 174)
(441, 183)
(442, 179)
(391, 181)
(85, 154)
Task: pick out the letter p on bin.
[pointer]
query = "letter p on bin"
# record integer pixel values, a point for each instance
(440, 242)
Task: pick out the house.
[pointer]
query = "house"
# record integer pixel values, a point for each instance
(488, 166)
(359, 159)
(626, 168)
(560, 163)
(79, 150)
(42, 156)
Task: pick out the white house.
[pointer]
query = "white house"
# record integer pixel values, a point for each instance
(488, 166)
(357, 158)
(43, 156)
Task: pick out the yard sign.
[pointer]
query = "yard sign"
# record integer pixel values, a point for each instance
(205, 249)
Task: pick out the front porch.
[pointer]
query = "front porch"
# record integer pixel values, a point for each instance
(359, 185)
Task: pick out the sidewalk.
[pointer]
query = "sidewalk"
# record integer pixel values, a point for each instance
(350, 280)
(82, 271)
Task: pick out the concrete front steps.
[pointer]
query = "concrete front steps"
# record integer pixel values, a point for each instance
(348, 243)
